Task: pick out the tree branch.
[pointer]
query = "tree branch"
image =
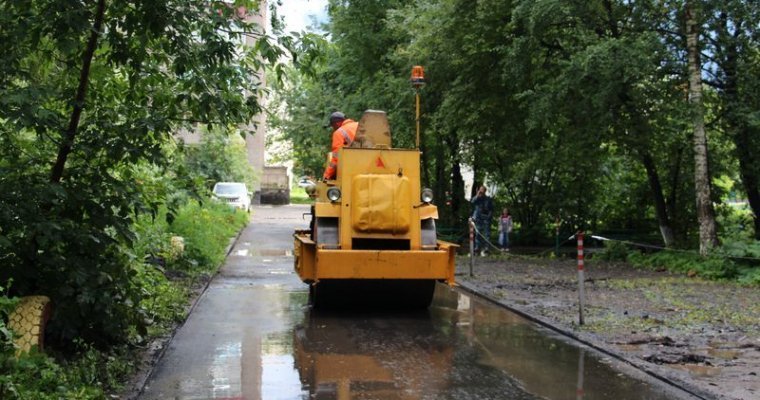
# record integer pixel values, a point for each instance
(68, 137)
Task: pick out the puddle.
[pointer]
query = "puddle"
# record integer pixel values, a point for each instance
(469, 348)
(700, 371)
(267, 344)
(246, 251)
(254, 252)
(280, 272)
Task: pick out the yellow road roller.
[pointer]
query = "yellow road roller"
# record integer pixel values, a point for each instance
(372, 237)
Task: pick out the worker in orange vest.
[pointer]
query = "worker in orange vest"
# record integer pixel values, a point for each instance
(343, 135)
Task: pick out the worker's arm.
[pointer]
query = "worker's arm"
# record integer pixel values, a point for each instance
(337, 143)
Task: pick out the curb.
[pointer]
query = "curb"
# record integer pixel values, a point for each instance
(677, 384)
(144, 376)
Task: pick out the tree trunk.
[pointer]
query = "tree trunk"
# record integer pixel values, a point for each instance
(660, 207)
(457, 182)
(736, 124)
(672, 201)
(71, 131)
(748, 173)
(441, 185)
(708, 237)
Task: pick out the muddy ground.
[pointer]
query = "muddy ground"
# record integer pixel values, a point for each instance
(701, 335)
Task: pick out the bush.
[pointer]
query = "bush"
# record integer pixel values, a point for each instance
(713, 267)
(207, 229)
(613, 251)
(299, 196)
(88, 376)
(749, 276)
(7, 304)
(740, 248)
(221, 157)
(90, 373)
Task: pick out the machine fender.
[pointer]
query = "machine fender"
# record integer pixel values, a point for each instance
(327, 209)
(428, 211)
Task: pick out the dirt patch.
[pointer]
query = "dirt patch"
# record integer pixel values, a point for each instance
(703, 335)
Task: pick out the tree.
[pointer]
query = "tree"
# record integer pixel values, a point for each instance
(708, 237)
(80, 109)
(733, 43)
(557, 103)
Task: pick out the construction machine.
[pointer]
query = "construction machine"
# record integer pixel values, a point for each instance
(373, 233)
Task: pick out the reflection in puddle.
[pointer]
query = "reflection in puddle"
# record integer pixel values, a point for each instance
(278, 375)
(272, 252)
(462, 348)
(225, 371)
(281, 272)
(338, 359)
(256, 366)
(247, 251)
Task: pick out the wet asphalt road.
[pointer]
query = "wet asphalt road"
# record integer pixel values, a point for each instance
(252, 336)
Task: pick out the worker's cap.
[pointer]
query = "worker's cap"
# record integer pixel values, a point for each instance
(335, 117)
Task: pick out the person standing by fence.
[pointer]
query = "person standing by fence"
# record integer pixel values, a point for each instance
(482, 211)
(505, 228)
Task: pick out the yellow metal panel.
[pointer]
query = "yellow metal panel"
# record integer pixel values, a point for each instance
(373, 130)
(380, 203)
(327, 209)
(451, 251)
(304, 256)
(398, 162)
(384, 264)
(428, 211)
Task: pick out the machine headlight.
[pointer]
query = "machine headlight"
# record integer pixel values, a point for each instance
(427, 195)
(333, 194)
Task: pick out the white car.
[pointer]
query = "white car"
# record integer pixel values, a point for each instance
(235, 194)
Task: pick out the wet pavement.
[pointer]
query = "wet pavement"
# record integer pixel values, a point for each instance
(252, 336)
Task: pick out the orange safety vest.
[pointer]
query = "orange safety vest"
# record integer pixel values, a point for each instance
(343, 136)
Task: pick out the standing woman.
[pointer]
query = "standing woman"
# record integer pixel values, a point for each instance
(505, 227)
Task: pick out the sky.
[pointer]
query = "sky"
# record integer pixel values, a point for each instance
(298, 13)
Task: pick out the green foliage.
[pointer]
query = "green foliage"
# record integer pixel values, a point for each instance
(220, 157)
(746, 254)
(735, 222)
(750, 276)
(79, 232)
(613, 251)
(712, 267)
(207, 230)
(572, 109)
(163, 298)
(7, 305)
(748, 249)
(157, 67)
(298, 196)
(90, 375)
(164, 276)
(39, 377)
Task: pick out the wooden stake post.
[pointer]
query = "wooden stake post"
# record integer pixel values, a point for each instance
(581, 278)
